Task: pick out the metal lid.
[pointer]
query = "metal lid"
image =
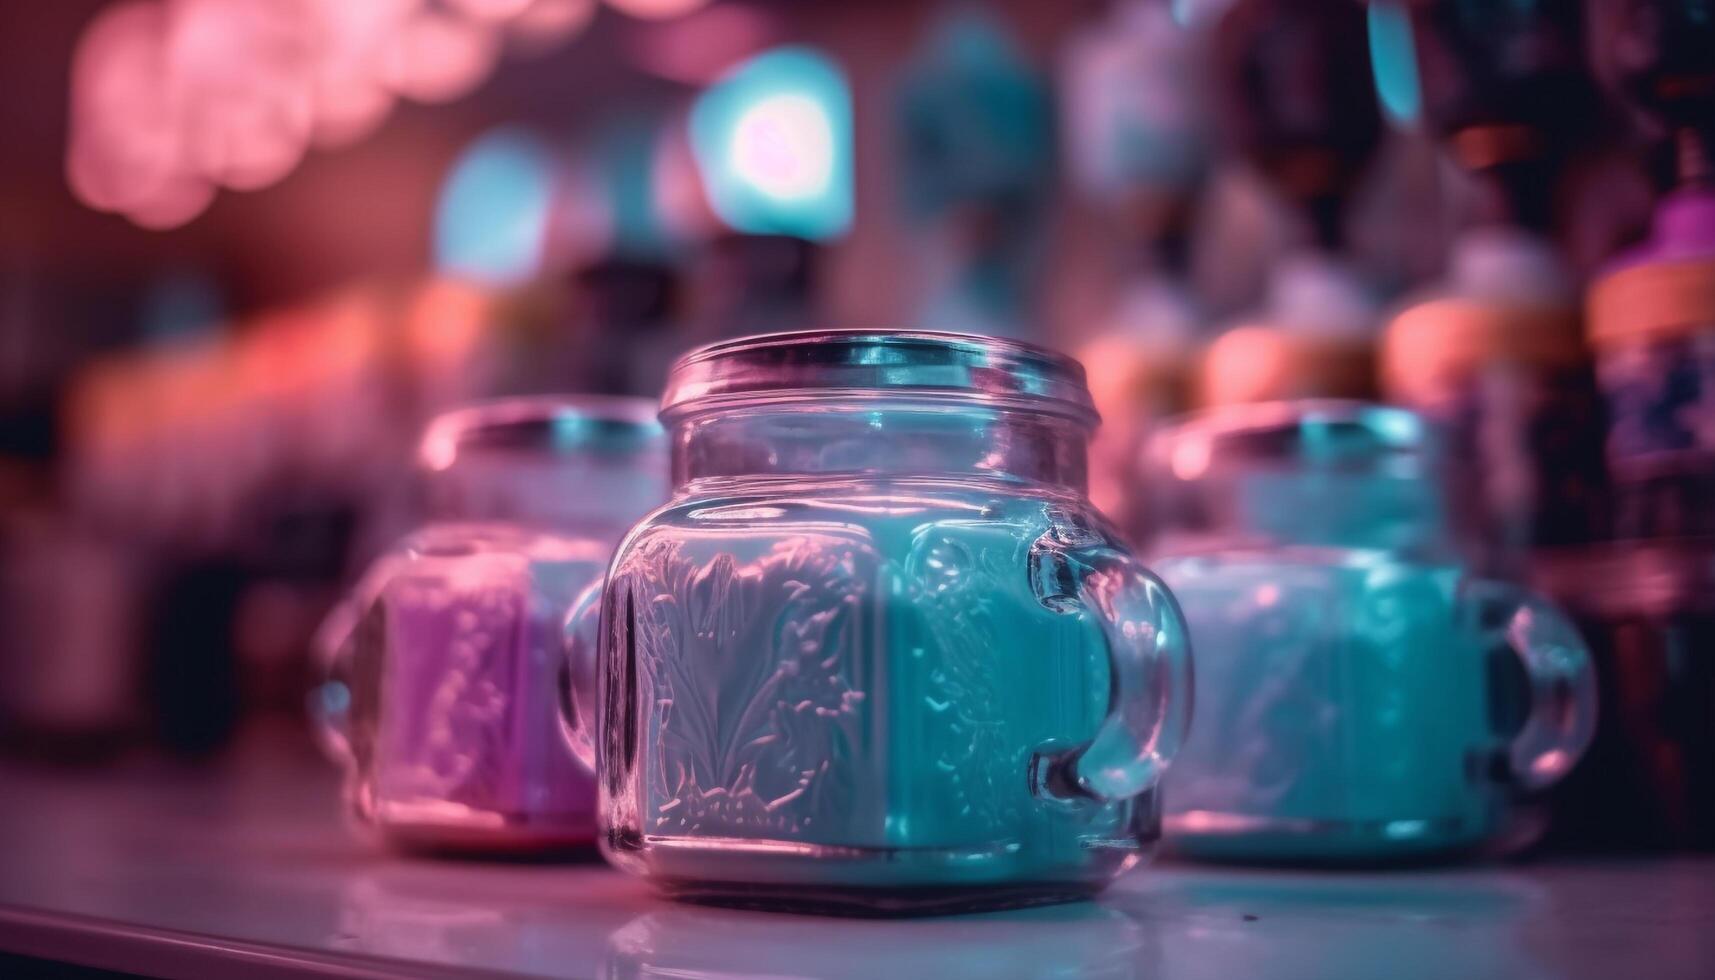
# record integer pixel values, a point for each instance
(548, 424)
(912, 364)
(1311, 434)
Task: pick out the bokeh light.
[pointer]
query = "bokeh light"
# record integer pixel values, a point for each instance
(434, 57)
(241, 73)
(546, 24)
(124, 128)
(172, 204)
(492, 219)
(655, 9)
(171, 99)
(489, 10)
(784, 147)
(773, 145)
(1393, 59)
(348, 96)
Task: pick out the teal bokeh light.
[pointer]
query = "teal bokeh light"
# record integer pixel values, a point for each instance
(1393, 60)
(773, 145)
(491, 222)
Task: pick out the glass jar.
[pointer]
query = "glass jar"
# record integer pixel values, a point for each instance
(441, 667)
(879, 652)
(1652, 324)
(1362, 695)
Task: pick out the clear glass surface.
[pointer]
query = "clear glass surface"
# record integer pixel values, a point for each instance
(879, 653)
(443, 666)
(1362, 695)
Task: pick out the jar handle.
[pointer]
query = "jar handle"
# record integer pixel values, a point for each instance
(1149, 652)
(579, 656)
(1562, 713)
(334, 650)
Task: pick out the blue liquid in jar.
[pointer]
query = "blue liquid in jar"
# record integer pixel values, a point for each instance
(1342, 709)
(849, 688)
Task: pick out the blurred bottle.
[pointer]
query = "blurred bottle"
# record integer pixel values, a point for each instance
(1652, 309)
(1647, 601)
(1495, 353)
(977, 151)
(1135, 123)
(1297, 102)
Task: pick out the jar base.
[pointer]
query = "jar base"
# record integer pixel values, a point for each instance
(875, 902)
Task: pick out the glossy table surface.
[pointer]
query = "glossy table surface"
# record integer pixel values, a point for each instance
(247, 867)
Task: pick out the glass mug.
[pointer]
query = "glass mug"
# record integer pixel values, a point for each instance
(1361, 694)
(878, 653)
(441, 668)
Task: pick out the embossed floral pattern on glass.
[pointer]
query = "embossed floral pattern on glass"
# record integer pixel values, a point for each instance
(866, 655)
(1362, 694)
(444, 664)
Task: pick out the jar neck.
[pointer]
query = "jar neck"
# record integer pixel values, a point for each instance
(569, 492)
(870, 438)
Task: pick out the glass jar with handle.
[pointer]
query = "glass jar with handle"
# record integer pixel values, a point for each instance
(441, 668)
(878, 653)
(1362, 695)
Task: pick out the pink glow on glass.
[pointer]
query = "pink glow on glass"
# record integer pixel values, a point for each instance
(437, 58)
(655, 9)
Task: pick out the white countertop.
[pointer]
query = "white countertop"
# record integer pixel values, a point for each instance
(167, 870)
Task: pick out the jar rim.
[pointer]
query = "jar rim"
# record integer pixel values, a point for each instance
(878, 363)
(1322, 433)
(549, 424)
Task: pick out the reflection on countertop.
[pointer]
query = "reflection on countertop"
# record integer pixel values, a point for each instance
(250, 860)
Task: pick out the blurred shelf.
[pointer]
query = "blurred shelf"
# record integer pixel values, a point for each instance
(246, 867)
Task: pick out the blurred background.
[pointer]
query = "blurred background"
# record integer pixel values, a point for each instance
(248, 247)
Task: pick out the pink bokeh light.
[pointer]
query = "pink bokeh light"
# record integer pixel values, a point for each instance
(350, 101)
(241, 71)
(433, 57)
(546, 24)
(496, 11)
(171, 98)
(125, 128)
(656, 9)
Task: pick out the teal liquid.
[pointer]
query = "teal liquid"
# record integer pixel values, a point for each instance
(850, 688)
(1341, 709)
